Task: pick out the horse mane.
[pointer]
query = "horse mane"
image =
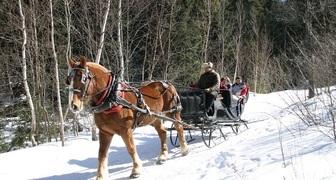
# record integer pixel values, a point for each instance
(97, 66)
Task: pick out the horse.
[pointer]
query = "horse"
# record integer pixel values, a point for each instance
(118, 108)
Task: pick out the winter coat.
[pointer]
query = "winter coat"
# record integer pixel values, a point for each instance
(209, 79)
(238, 89)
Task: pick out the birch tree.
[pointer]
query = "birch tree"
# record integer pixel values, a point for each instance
(59, 103)
(157, 13)
(24, 77)
(102, 33)
(223, 36)
(238, 37)
(167, 57)
(308, 20)
(120, 44)
(207, 33)
(98, 57)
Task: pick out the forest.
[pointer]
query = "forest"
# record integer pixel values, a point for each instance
(273, 44)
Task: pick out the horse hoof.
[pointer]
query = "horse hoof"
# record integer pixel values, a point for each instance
(185, 153)
(160, 162)
(134, 175)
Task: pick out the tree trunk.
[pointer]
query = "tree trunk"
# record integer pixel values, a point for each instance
(36, 54)
(143, 69)
(310, 73)
(207, 35)
(102, 33)
(68, 24)
(59, 103)
(154, 51)
(68, 51)
(240, 19)
(24, 76)
(89, 33)
(223, 36)
(75, 125)
(311, 83)
(98, 57)
(120, 43)
(167, 61)
(10, 87)
(256, 31)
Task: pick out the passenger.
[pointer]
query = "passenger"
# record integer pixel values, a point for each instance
(209, 81)
(239, 91)
(221, 84)
(225, 83)
(225, 88)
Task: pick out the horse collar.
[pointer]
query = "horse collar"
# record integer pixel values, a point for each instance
(109, 97)
(106, 92)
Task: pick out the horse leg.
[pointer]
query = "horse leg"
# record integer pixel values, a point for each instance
(104, 144)
(183, 142)
(128, 139)
(161, 130)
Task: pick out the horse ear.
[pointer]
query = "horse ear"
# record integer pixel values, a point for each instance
(71, 62)
(82, 61)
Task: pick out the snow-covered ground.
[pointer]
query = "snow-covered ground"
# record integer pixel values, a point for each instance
(276, 146)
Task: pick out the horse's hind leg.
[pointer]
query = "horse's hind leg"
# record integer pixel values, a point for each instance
(128, 139)
(104, 144)
(161, 130)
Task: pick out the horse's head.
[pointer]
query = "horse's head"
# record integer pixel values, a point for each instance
(78, 81)
(87, 81)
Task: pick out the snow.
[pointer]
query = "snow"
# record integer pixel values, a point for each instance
(277, 145)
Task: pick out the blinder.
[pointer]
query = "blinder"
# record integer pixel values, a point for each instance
(71, 76)
(84, 77)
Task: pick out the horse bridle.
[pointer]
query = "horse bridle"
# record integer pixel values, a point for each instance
(85, 76)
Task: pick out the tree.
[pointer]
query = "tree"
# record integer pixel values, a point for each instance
(102, 32)
(24, 76)
(207, 29)
(238, 38)
(59, 101)
(120, 43)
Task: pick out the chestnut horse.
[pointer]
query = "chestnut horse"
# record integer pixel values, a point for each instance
(93, 85)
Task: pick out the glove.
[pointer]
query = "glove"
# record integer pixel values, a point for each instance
(208, 90)
(240, 97)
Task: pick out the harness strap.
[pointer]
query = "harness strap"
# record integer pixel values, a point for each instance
(107, 101)
(126, 103)
(107, 91)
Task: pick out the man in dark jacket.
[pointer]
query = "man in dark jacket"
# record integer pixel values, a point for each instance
(209, 81)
